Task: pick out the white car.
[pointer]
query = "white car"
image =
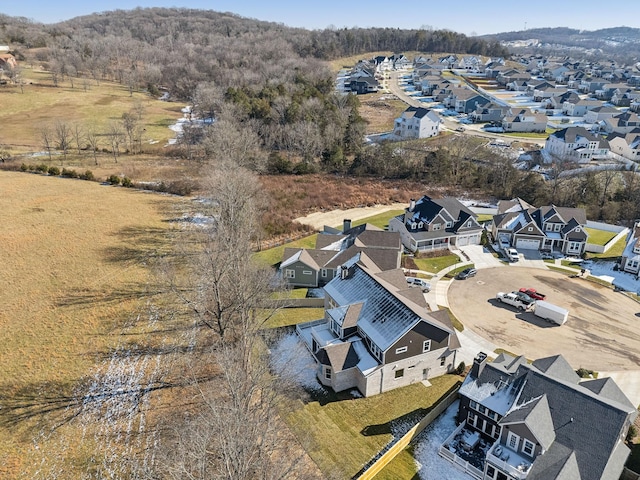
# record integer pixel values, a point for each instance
(514, 300)
(418, 282)
(512, 254)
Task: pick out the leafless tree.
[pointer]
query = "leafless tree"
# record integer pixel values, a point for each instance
(63, 136)
(93, 139)
(47, 138)
(78, 135)
(115, 136)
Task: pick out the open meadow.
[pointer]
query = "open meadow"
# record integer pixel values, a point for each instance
(75, 275)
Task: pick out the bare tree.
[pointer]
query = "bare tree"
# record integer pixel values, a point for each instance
(93, 139)
(115, 136)
(47, 138)
(79, 136)
(63, 136)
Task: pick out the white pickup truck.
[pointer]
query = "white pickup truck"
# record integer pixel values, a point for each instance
(514, 300)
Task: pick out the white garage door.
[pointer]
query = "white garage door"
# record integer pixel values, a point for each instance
(522, 244)
(462, 241)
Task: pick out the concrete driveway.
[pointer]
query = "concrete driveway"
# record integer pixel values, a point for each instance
(601, 333)
(481, 257)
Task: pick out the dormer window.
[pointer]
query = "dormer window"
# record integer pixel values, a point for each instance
(449, 224)
(420, 224)
(413, 225)
(557, 227)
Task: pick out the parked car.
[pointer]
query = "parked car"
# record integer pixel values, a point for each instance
(533, 293)
(524, 297)
(418, 282)
(513, 300)
(466, 273)
(511, 254)
(547, 256)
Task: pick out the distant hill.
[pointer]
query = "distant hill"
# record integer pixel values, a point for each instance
(618, 40)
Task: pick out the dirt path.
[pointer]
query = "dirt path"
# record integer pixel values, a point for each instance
(334, 218)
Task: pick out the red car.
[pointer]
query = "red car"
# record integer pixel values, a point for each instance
(533, 293)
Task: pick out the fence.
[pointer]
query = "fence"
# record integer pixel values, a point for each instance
(297, 303)
(402, 443)
(461, 464)
(620, 232)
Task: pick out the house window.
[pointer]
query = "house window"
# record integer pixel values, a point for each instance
(443, 360)
(420, 224)
(530, 229)
(288, 273)
(574, 245)
(491, 472)
(557, 227)
(327, 373)
(449, 224)
(548, 227)
(401, 350)
(471, 419)
(469, 223)
(512, 441)
(437, 226)
(426, 345)
(307, 272)
(527, 447)
(324, 272)
(473, 405)
(482, 409)
(400, 373)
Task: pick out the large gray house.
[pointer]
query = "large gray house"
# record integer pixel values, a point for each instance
(434, 224)
(540, 421)
(377, 333)
(544, 228)
(316, 267)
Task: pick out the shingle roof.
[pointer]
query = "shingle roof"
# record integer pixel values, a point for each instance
(536, 416)
(386, 314)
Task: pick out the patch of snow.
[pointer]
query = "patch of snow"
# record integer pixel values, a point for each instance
(431, 465)
(605, 270)
(291, 360)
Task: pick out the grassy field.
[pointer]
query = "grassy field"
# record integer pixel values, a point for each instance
(614, 252)
(599, 237)
(342, 433)
(74, 268)
(292, 316)
(381, 220)
(273, 256)
(23, 115)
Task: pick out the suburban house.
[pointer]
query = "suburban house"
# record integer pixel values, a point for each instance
(435, 224)
(630, 260)
(599, 114)
(363, 84)
(623, 123)
(377, 333)
(316, 267)
(576, 144)
(417, 122)
(544, 228)
(524, 120)
(626, 145)
(579, 108)
(465, 100)
(540, 421)
(491, 112)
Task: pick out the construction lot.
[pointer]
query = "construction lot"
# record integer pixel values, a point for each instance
(601, 333)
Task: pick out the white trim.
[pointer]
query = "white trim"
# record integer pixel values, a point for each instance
(426, 346)
(401, 350)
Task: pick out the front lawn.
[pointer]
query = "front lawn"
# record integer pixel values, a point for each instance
(599, 237)
(435, 264)
(342, 433)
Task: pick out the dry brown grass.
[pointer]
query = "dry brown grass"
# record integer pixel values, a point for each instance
(74, 267)
(380, 110)
(23, 114)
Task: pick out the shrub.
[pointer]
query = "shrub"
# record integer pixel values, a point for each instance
(42, 168)
(304, 168)
(69, 173)
(53, 171)
(461, 368)
(632, 433)
(114, 180)
(585, 373)
(126, 182)
(88, 175)
(24, 167)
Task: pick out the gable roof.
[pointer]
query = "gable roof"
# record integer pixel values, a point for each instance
(536, 416)
(386, 314)
(340, 356)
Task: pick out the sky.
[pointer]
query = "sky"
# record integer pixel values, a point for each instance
(470, 17)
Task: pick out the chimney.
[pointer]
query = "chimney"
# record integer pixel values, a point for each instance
(478, 365)
(346, 225)
(412, 204)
